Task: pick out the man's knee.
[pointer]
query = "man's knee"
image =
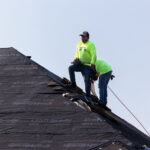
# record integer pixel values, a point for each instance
(71, 68)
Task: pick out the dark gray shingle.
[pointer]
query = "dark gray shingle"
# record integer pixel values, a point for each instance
(34, 115)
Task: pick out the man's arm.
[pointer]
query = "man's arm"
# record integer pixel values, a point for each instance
(93, 55)
(77, 53)
(77, 56)
(93, 89)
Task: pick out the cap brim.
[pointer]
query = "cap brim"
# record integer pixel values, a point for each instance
(81, 35)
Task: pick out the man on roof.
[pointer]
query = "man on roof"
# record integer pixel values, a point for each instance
(84, 61)
(103, 71)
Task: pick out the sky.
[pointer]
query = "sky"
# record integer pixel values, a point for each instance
(48, 30)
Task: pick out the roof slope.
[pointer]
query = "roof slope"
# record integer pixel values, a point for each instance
(36, 116)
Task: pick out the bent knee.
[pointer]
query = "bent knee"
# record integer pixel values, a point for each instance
(70, 68)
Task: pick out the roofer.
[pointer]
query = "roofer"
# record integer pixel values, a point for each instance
(103, 71)
(84, 61)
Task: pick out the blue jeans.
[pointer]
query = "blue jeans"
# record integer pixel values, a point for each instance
(103, 82)
(85, 70)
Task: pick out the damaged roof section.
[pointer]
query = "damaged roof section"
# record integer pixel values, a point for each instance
(34, 115)
(112, 146)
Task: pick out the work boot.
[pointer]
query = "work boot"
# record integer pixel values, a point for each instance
(88, 99)
(102, 103)
(72, 85)
(87, 95)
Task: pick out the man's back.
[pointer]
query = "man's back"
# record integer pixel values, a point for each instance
(102, 67)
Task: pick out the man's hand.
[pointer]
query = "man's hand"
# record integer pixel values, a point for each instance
(75, 61)
(92, 67)
(98, 74)
(112, 77)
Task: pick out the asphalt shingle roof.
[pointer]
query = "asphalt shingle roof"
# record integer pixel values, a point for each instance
(34, 115)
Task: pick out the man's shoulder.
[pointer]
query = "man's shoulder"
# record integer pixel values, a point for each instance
(100, 61)
(97, 62)
(80, 43)
(103, 62)
(91, 43)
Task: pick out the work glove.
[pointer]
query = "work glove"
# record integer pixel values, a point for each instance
(93, 67)
(77, 62)
(112, 77)
(93, 75)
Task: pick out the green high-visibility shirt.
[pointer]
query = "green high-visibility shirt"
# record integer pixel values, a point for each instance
(102, 67)
(86, 53)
